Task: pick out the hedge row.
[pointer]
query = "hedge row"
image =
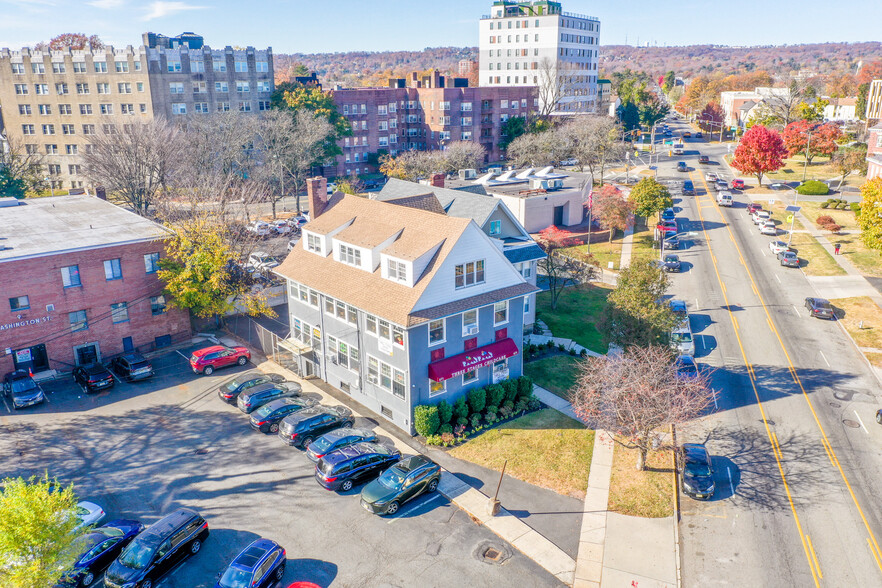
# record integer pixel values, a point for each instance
(841, 204)
(813, 188)
(479, 405)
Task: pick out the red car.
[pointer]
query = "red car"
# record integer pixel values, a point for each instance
(667, 226)
(737, 184)
(205, 361)
(753, 207)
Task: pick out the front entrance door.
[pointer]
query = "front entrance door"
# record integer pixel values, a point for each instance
(33, 358)
(88, 353)
(558, 216)
(127, 344)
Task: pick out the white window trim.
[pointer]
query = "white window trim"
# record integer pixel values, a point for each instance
(477, 377)
(477, 322)
(443, 389)
(429, 333)
(507, 313)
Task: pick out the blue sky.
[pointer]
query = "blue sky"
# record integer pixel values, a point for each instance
(376, 25)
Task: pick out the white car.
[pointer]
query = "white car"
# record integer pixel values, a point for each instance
(710, 177)
(89, 514)
(296, 222)
(260, 260)
(769, 228)
(292, 243)
(280, 227)
(760, 216)
(777, 247)
(259, 228)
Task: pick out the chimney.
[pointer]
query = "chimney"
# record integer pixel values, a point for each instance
(438, 180)
(317, 193)
(101, 193)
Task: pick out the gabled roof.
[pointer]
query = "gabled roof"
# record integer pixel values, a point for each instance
(459, 203)
(522, 254)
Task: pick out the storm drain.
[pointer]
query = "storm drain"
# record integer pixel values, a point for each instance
(202, 451)
(851, 423)
(492, 553)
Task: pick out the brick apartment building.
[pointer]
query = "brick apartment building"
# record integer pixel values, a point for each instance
(424, 114)
(52, 102)
(874, 152)
(78, 284)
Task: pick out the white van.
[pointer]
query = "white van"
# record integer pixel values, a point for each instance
(678, 148)
(682, 341)
(724, 198)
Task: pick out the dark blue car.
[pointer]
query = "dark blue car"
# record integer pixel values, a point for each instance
(338, 439)
(99, 548)
(356, 464)
(260, 565)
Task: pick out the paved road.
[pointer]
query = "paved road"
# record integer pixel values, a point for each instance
(794, 442)
(143, 449)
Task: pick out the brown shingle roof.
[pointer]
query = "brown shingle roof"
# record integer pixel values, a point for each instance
(368, 235)
(420, 232)
(464, 304)
(424, 201)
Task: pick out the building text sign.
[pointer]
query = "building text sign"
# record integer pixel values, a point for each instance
(25, 323)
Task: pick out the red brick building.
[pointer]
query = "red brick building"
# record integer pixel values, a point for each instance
(424, 114)
(78, 284)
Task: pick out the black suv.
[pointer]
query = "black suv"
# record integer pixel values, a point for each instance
(255, 397)
(230, 391)
(697, 475)
(93, 377)
(157, 550)
(132, 366)
(266, 418)
(22, 390)
(302, 428)
(343, 468)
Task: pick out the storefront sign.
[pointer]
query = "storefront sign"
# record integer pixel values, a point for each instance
(25, 323)
(23, 355)
(457, 365)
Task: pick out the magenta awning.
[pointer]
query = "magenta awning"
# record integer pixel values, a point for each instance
(456, 365)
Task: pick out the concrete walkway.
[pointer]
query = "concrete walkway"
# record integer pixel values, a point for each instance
(627, 246)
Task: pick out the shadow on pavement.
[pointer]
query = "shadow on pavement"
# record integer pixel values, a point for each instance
(316, 571)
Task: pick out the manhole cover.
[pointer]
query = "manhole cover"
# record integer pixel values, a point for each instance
(202, 451)
(492, 554)
(834, 404)
(851, 423)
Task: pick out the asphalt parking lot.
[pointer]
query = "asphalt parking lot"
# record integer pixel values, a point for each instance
(143, 449)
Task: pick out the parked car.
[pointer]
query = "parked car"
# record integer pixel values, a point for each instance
(682, 341)
(255, 397)
(687, 135)
(703, 159)
(297, 222)
(300, 429)
(754, 207)
(132, 367)
(292, 243)
(93, 377)
(280, 226)
(331, 188)
(260, 565)
(721, 185)
(668, 214)
(259, 228)
(157, 550)
(697, 474)
(779, 186)
(688, 188)
(672, 242)
(88, 513)
(777, 247)
(737, 184)
(338, 439)
(769, 228)
(230, 391)
(678, 307)
(820, 308)
(698, 135)
(788, 259)
(208, 359)
(682, 167)
(710, 177)
(672, 263)
(266, 418)
(686, 367)
(356, 464)
(667, 226)
(98, 548)
(760, 216)
(22, 390)
(261, 261)
(724, 198)
(404, 481)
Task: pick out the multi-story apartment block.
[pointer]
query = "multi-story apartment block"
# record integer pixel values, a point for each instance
(401, 305)
(78, 283)
(52, 102)
(536, 43)
(189, 77)
(424, 114)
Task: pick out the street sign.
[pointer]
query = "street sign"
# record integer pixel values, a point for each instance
(789, 218)
(771, 201)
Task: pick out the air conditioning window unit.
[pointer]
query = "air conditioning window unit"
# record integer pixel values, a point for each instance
(50, 307)
(372, 379)
(470, 330)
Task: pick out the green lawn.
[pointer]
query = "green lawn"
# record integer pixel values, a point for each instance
(868, 261)
(557, 373)
(544, 448)
(605, 252)
(577, 311)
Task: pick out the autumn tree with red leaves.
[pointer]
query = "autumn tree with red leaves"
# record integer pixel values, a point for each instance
(564, 265)
(823, 139)
(711, 117)
(72, 40)
(761, 151)
(612, 211)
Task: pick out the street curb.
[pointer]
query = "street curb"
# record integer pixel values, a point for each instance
(677, 513)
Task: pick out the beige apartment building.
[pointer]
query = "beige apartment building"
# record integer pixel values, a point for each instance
(53, 101)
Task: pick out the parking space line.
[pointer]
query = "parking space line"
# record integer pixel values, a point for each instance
(6, 405)
(731, 485)
(401, 513)
(861, 422)
(779, 279)
(796, 311)
(824, 357)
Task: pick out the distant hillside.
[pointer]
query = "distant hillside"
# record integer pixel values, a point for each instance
(372, 68)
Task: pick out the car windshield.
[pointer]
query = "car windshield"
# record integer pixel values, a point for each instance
(234, 384)
(687, 368)
(137, 555)
(698, 470)
(236, 578)
(392, 479)
(671, 258)
(264, 411)
(322, 444)
(23, 386)
(823, 305)
(139, 364)
(681, 337)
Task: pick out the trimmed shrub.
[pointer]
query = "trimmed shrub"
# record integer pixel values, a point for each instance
(460, 408)
(521, 405)
(425, 420)
(525, 386)
(561, 347)
(445, 412)
(448, 428)
(813, 188)
(583, 353)
(855, 208)
(834, 228)
(534, 404)
(505, 411)
(433, 440)
(825, 204)
(495, 394)
(825, 219)
(510, 387)
(476, 420)
(509, 404)
(533, 348)
(491, 409)
(447, 438)
(459, 431)
(477, 400)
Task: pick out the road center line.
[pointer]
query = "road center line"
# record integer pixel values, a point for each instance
(779, 279)
(861, 422)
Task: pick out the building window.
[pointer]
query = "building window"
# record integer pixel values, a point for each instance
(240, 66)
(64, 109)
(85, 109)
(157, 305)
(70, 276)
(500, 312)
(174, 87)
(28, 130)
(88, 130)
(73, 169)
(179, 108)
(82, 88)
(44, 109)
(221, 87)
(436, 388)
(244, 107)
(436, 332)
(469, 274)
(18, 69)
(370, 322)
(197, 66)
(124, 88)
(263, 105)
(495, 227)
(201, 107)
(103, 88)
(77, 320)
(223, 106)
(112, 269)
(218, 65)
(19, 303)
(41, 89)
(397, 270)
(48, 129)
(106, 109)
(470, 376)
(261, 66)
(79, 67)
(151, 263)
(243, 86)
(119, 312)
(122, 66)
(24, 109)
(470, 322)
(526, 304)
(313, 243)
(21, 89)
(350, 255)
(52, 150)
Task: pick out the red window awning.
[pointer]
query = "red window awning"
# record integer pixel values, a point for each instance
(456, 365)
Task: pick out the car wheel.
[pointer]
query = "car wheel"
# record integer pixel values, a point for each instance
(433, 485)
(346, 486)
(195, 547)
(208, 370)
(242, 360)
(347, 425)
(392, 508)
(306, 442)
(88, 579)
(280, 571)
(879, 416)
(147, 584)
(274, 428)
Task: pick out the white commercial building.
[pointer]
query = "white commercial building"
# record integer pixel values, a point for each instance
(538, 44)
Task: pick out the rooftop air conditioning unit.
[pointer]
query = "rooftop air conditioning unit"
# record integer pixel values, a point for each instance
(468, 174)
(494, 170)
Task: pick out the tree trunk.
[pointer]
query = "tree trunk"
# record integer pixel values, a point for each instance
(759, 178)
(641, 459)
(611, 233)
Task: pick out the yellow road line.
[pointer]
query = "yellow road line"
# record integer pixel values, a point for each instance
(875, 552)
(769, 432)
(814, 556)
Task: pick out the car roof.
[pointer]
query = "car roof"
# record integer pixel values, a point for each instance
(160, 530)
(133, 357)
(207, 350)
(678, 304)
(414, 462)
(280, 403)
(356, 450)
(686, 359)
(262, 388)
(94, 368)
(252, 555)
(696, 451)
(16, 375)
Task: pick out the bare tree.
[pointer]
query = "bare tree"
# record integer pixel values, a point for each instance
(555, 84)
(563, 265)
(275, 139)
(134, 160)
(539, 149)
(595, 141)
(461, 155)
(635, 394)
(307, 149)
(21, 170)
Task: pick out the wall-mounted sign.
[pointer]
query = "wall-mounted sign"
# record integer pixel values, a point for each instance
(25, 323)
(23, 355)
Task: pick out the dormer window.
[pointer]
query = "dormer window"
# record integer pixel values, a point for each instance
(350, 255)
(313, 243)
(495, 227)
(469, 274)
(396, 270)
